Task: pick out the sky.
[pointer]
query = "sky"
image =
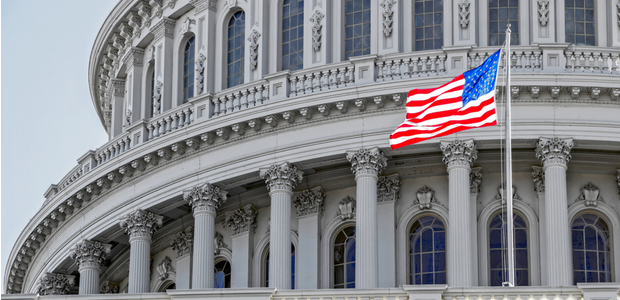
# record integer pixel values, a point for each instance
(47, 117)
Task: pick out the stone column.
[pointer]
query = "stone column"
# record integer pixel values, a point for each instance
(538, 176)
(55, 284)
(309, 204)
(475, 179)
(89, 256)
(366, 164)
(204, 200)
(281, 180)
(183, 244)
(242, 222)
(388, 193)
(554, 153)
(140, 226)
(459, 155)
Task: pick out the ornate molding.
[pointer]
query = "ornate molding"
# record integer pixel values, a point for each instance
(388, 16)
(554, 150)
(144, 10)
(316, 18)
(388, 188)
(141, 224)
(183, 241)
(281, 177)
(475, 179)
(501, 194)
(165, 27)
(165, 268)
(590, 194)
(241, 219)
(55, 284)
(425, 197)
(205, 198)
(464, 13)
(253, 39)
(157, 93)
(310, 202)
(459, 153)
(346, 208)
(200, 69)
(202, 5)
(543, 12)
(90, 254)
(109, 287)
(185, 26)
(134, 57)
(538, 176)
(366, 161)
(219, 243)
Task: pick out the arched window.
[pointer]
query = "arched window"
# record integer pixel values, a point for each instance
(152, 90)
(170, 285)
(344, 258)
(356, 28)
(266, 268)
(428, 17)
(498, 251)
(579, 22)
(591, 249)
(222, 274)
(500, 14)
(236, 47)
(188, 69)
(292, 35)
(427, 251)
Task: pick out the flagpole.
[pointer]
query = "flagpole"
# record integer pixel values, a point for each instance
(508, 186)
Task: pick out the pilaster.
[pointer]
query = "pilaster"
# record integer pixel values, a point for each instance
(366, 164)
(459, 156)
(134, 61)
(89, 257)
(317, 49)
(475, 180)
(538, 177)
(183, 244)
(388, 193)
(118, 100)
(554, 153)
(163, 33)
(242, 222)
(309, 204)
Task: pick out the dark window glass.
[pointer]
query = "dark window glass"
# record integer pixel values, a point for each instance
(188, 69)
(500, 14)
(266, 276)
(292, 34)
(152, 89)
(428, 18)
(344, 258)
(427, 251)
(222, 275)
(591, 249)
(356, 28)
(579, 22)
(498, 251)
(236, 44)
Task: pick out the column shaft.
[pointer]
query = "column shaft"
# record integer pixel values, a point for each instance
(89, 280)
(139, 265)
(459, 244)
(559, 272)
(204, 236)
(366, 260)
(280, 240)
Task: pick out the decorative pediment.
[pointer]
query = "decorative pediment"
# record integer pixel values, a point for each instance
(388, 188)
(165, 268)
(501, 194)
(425, 197)
(346, 208)
(590, 194)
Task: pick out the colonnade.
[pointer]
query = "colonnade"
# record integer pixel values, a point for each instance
(366, 164)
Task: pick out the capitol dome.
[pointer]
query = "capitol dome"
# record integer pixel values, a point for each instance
(249, 153)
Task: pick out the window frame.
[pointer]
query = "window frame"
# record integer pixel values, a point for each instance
(280, 30)
(413, 33)
(343, 34)
(594, 22)
(225, 51)
(528, 239)
(192, 68)
(408, 243)
(611, 241)
(499, 34)
(215, 262)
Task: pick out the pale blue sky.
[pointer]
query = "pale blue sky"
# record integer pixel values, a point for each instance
(48, 119)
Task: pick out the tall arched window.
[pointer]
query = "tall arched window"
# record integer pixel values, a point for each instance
(428, 17)
(266, 268)
(427, 251)
(188, 69)
(292, 35)
(579, 22)
(498, 252)
(591, 249)
(236, 45)
(356, 28)
(222, 274)
(500, 14)
(344, 258)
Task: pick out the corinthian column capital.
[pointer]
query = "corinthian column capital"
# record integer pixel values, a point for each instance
(554, 151)
(55, 284)
(242, 219)
(90, 254)
(205, 198)
(141, 224)
(183, 241)
(309, 202)
(459, 153)
(281, 177)
(367, 162)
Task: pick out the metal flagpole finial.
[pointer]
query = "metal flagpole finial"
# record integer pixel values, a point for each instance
(508, 28)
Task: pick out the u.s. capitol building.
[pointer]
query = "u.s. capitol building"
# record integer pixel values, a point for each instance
(248, 155)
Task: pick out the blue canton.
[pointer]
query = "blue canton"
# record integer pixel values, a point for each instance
(480, 80)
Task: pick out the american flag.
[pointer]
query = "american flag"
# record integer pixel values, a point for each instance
(468, 101)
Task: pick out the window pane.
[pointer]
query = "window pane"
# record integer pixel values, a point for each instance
(498, 251)
(357, 28)
(579, 22)
(427, 251)
(292, 35)
(428, 16)
(236, 37)
(591, 249)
